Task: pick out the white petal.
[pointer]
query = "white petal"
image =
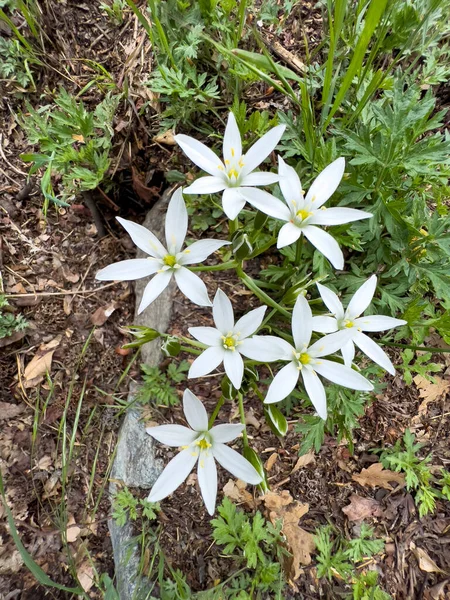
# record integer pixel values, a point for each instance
(262, 148)
(200, 154)
(129, 270)
(143, 238)
(172, 435)
(223, 313)
(378, 323)
(301, 323)
(234, 367)
(232, 202)
(154, 288)
(324, 324)
(207, 480)
(208, 360)
(250, 322)
(266, 203)
(338, 216)
(326, 244)
(232, 145)
(206, 185)
(283, 383)
(342, 375)
(173, 475)
(192, 286)
(194, 411)
(206, 335)
(326, 183)
(290, 184)
(236, 464)
(259, 178)
(348, 353)
(225, 433)
(316, 392)
(331, 301)
(199, 251)
(289, 234)
(374, 352)
(266, 348)
(176, 222)
(361, 298)
(331, 343)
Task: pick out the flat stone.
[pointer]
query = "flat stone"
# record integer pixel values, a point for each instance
(135, 464)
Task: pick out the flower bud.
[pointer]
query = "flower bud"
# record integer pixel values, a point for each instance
(171, 346)
(293, 293)
(275, 420)
(242, 247)
(142, 335)
(229, 392)
(254, 460)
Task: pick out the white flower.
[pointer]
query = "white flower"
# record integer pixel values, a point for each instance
(302, 213)
(306, 361)
(228, 340)
(202, 444)
(352, 321)
(236, 175)
(164, 262)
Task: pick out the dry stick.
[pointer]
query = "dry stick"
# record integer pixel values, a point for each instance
(90, 203)
(65, 293)
(12, 167)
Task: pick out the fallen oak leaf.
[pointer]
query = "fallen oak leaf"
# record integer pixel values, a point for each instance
(9, 411)
(426, 563)
(235, 490)
(304, 460)
(362, 508)
(102, 314)
(40, 363)
(429, 391)
(376, 476)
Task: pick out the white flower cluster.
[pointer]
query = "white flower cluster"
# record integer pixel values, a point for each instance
(229, 341)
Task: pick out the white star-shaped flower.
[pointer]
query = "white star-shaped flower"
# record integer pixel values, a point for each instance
(228, 340)
(203, 445)
(164, 263)
(306, 361)
(352, 321)
(236, 175)
(303, 213)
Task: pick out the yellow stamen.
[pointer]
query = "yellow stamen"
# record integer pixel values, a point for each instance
(169, 260)
(232, 152)
(220, 168)
(229, 342)
(349, 324)
(233, 173)
(303, 214)
(241, 163)
(304, 358)
(203, 444)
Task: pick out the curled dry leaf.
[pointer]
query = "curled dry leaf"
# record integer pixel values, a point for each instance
(235, 490)
(429, 391)
(271, 461)
(426, 563)
(102, 314)
(72, 531)
(362, 508)
(376, 476)
(282, 507)
(304, 460)
(167, 138)
(40, 363)
(85, 574)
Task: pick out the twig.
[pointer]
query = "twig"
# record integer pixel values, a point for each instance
(65, 293)
(12, 167)
(90, 203)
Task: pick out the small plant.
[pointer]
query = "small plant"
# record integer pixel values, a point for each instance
(126, 506)
(365, 587)
(73, 143)
(158, 386)
(402, 457)
(15, 62)
(114, 10)
(9, 322)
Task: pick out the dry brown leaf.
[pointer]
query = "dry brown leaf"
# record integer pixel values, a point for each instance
(437, 592)
(376, 476)
(362, 508)
(282, 506)
(85, 574)
(250, 419)
(102, 314)
(271, 461)
(237, 492)
(304, 460)
(167, 138)
(426, 563)
(429, 391)
(72, 531)
(9, 411)
(40, 363)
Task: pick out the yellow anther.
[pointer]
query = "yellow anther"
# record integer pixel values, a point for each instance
(241, 163)
(304, 358)
(203, 444)
(349, 324)
(233, 173)
(220, 168)
(303, 214)
(227, 162)
(169, 260)
(229, 342)
(232, 152)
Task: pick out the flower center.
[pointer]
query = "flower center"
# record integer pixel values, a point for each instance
(229, 343)
(169, 260)
(303, 214)
(304, 358)
(203, 444)
(348, 324)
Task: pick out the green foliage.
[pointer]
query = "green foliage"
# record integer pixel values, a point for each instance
(114, 9)
(422, 365)
(364, 546)
(128, 507)
(72, 142)
(9, 322)
(402, 457)
(15, 62)
(365, 587)
(331, 554)
(158, 386)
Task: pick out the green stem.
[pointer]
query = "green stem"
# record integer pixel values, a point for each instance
(241, 14)
(233, 226)
(219, 405)
(269, 316)
(190, 350)
(242, 415)
(431, 349)
(298, 250)
(192, 343)
(231, 264)
(248, 281)
(264, 248)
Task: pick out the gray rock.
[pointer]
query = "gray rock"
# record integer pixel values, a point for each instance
(135, 464)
